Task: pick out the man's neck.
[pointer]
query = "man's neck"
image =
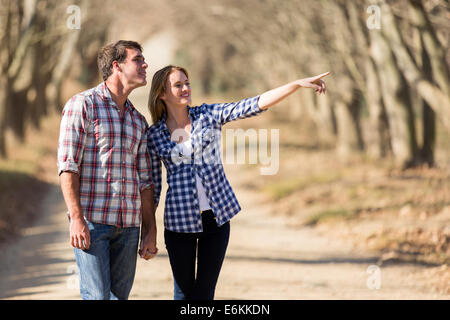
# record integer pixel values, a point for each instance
(119, 93)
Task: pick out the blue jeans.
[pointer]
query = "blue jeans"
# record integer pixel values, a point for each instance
(107, 269)
(206, 250)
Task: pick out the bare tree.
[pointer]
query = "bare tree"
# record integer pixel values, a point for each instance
(36, 58)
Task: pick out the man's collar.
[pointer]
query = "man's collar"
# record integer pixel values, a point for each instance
(104, 92)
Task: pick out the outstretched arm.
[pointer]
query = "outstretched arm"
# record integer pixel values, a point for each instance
(272, 97)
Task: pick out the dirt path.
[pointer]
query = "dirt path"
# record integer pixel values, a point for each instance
(266, 259)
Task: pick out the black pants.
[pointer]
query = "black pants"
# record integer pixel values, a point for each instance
(208, 248)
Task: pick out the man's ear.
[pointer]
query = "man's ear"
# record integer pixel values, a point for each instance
(116, 66)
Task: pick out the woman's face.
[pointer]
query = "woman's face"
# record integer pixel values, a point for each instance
(178, 89)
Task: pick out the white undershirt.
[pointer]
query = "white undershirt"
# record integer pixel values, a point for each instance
(202, 198)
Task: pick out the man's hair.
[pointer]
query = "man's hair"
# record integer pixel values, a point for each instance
(114, 52)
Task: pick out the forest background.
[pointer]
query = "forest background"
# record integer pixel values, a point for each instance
(374, 148)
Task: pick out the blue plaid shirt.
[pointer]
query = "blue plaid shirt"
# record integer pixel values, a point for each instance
(181, 212)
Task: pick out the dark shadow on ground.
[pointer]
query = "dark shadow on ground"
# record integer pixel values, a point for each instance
(20, 196)
(32, 254)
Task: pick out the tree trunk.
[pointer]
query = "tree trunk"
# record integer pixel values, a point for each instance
(64, 60)
(40, 79)
(16, 117)
(4, 90)
(428, 114)
(435, 50)
(349, 135)
(5, 58)
(396, 99)
(379, 128)
(319, 112)
(429, 135)
(436, 97)
(328, 129)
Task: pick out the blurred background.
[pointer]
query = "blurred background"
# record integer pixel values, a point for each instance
(370, 160)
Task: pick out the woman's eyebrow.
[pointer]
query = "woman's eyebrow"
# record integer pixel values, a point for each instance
(179, 81)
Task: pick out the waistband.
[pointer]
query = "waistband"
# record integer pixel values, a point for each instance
(208, 212)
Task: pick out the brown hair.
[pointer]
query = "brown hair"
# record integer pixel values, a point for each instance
(157, 106)
(114, 52)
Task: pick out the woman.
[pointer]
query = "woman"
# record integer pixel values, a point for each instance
(199, 200)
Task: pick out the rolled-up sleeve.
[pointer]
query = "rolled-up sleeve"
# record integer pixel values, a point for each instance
(144, 165)
(226, 112)
(156, 168)
(72, 135)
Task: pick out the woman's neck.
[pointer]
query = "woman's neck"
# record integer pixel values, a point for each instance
(178, 115)
(178, 118)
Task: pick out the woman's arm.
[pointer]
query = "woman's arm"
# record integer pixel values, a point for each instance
(272, 97)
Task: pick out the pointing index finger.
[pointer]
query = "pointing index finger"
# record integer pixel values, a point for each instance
(321, 75)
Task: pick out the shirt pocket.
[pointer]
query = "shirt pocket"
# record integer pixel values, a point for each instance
(205, 133)
(132, 135)
(208, 145)
(104, 134)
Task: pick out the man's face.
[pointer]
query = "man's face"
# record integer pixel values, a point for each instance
(133, 70)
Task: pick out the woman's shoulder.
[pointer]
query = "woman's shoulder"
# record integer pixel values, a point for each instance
(155, 126)
(202, 109)
(154, 131)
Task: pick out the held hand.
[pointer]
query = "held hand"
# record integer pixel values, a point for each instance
(80, 237)
(147, 247)
(315, 82)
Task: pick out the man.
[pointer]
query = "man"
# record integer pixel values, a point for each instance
(105, 178)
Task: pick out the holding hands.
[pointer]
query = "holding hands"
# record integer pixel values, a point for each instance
(147, 247)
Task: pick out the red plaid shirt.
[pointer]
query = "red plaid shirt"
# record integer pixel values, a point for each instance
(110, 155)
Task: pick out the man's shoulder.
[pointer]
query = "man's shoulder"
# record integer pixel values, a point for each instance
(138, 114)
(85, 97)
(138, 117)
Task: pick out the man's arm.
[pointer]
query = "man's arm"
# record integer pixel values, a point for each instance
(148, 247)
(79, 231)
(71, 143)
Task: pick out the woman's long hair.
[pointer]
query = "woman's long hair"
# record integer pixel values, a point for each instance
(157, 106)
